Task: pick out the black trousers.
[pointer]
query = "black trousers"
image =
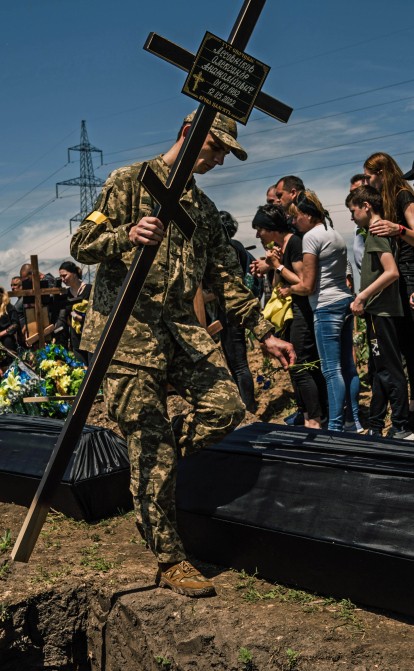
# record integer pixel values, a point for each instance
(308, 383)
(406, 323)
(389, 384)
(233, 342)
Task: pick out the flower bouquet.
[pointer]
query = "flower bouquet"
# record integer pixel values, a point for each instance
(49, 372)
(17, 382)
(60, 375)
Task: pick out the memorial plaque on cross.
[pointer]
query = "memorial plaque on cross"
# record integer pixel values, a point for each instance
(168, 209)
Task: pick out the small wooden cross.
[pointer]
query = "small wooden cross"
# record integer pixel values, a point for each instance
(169, 209)
(41, 320)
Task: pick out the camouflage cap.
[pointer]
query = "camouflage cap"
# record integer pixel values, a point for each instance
(225, 129)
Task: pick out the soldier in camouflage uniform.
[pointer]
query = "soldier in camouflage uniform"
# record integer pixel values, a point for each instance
(163, 341)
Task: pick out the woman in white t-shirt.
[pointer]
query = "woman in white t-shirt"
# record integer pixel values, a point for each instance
(324, 281)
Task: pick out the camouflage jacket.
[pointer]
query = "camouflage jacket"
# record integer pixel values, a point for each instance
(165, 306)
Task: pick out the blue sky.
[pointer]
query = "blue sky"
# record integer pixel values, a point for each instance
(345, 68)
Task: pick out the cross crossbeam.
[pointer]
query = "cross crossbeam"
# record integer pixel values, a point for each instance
(183, 59)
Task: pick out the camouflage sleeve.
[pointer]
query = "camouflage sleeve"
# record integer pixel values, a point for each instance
(108, 239)
(224, 276)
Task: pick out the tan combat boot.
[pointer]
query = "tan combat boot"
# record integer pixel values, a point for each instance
(183, 578)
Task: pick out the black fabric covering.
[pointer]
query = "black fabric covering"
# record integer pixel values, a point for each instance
(95, 484)
(333, 513)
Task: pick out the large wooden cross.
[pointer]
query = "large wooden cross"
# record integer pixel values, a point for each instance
(169, 209)
(42, 327)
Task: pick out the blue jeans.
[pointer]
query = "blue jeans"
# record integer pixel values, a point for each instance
(333, 332)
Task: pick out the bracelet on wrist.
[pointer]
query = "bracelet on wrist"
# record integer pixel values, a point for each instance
(402, 230)
(279, 269)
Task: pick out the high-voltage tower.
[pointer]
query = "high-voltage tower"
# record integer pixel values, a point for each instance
(87, 180)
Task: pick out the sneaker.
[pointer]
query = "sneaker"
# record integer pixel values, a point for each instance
(400, 434)
(184, 578)
(297, 419)
(353, 427)
(374, 433)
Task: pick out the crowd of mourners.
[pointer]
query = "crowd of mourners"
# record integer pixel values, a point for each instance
(64, 311)
(306, 264)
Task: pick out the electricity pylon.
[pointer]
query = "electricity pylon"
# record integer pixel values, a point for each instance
(87, 180)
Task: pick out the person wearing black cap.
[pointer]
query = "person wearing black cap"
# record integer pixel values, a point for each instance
(285, 258)
(163, 341)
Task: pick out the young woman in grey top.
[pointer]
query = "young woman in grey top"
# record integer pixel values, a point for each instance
(324, 281)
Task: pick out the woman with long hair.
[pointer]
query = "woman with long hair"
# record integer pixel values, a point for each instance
(385, 175)
(77, 301)
(285, 257)
(324, 281)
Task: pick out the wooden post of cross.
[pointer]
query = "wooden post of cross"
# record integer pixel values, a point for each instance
(43, 328)
(169, 209)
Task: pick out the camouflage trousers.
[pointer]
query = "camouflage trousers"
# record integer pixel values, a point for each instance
(137, 401)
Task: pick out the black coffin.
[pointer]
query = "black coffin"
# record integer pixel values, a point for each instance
(331, 513)
(96, 482)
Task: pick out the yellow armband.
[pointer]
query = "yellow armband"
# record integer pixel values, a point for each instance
(97, 217)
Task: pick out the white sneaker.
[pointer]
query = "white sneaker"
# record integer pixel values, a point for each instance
(353, 427)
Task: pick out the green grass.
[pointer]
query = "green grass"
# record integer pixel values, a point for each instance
(292, 658)
(341, 609)
(246, 658)
(5, 541)
(92, 559)
(50, 577)
(5, 569)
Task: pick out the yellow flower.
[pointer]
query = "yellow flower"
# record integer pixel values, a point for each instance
(62, 385)
(12, 382)
(58, 370)
(46, 364)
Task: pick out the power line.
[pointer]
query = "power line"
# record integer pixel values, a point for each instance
(388, 102)
(212, 185)
(330, 116)
(45, 246)
(325, 167)
(27, 216)
(33, 189)
(35, 162)
(350, 46)
(354, 95)
(152, 144)
(315, 151)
